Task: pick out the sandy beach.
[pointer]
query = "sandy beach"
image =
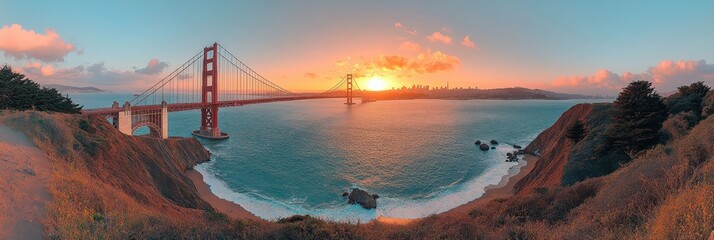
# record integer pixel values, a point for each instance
(224, 206)
(503, 189)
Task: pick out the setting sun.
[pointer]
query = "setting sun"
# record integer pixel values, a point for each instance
(376, 84)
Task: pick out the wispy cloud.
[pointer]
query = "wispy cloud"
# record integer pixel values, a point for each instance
(468, 43)
(439, 37)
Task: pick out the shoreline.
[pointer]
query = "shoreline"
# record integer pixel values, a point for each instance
(221, 205)
(504, 188)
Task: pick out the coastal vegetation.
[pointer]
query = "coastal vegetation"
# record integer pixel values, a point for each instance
(20, 93)
(107, 185)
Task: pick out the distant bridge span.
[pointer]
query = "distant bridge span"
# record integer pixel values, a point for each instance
(218, 80)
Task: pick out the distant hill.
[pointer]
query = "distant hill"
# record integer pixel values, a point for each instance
(471, 93)
(72, 89)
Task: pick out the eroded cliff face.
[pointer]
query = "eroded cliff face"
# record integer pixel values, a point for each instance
(150, 171)
(554, 149)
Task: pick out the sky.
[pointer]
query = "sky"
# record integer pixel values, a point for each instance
(590, 47)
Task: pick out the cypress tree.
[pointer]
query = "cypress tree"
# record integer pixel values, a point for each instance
(20, 93)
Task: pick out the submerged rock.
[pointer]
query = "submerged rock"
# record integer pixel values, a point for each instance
(345, 194)
(478, 142)
(363, 198)
(483, 147)
(517, 146)
(494, 147)
(493, 141)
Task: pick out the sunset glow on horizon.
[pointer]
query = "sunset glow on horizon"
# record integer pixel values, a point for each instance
(306, 46)
(376, 84)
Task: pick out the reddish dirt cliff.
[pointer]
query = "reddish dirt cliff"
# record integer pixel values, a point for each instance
(554, 149)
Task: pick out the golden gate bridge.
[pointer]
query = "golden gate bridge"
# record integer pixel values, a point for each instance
(213, 78)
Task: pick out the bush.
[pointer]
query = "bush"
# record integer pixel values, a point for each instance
(575, 132)
(84, 125)
(688, 98)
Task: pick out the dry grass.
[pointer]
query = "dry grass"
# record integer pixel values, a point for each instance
(667, 193)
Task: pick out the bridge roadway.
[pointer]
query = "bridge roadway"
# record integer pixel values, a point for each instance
(176, 107)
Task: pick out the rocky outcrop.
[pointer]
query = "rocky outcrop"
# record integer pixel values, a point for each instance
(361, 197)
(483, 147)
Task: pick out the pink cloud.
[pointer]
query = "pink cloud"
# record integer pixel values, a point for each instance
(666, 76)
(409, 46)
(439, 37)
(468, 43)
(20, 43)
(38, 68)
(153, 67)
(398, 25)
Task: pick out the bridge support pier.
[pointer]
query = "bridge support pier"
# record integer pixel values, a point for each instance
(124, 120)
(164, 120)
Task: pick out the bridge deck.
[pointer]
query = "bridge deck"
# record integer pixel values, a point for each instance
(176, 107)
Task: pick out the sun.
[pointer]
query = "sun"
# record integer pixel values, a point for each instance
(376, 84)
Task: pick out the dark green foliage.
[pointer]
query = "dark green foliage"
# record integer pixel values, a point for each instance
(84, 125)
(19, 93)
(583, 163)
(688, 98)
(636, 119)
(575, 132)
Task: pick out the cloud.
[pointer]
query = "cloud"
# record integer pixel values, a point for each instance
(97, 74)
(154, 67)
(423, 63)
(409, 46)
(439, 37)
(400, 26)
(38, 69)
(310, 75)
(468, 43)
(666, 76)
(20, 43)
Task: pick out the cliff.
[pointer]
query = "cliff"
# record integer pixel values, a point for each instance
(554, 149)
(102, 173)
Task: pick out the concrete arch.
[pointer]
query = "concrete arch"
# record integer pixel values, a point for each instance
(154, 129)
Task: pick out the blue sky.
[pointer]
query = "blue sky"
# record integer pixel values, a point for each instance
(572, 46)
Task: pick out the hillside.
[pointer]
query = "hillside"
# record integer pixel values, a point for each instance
(73, 89)
(108, 185)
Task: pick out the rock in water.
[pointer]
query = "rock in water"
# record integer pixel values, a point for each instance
(483, 147)
(517, 146)
(363, 198)
(345, 194)
(478, 142)
(493, 141)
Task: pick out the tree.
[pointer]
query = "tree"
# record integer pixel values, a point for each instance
(576, 131)
(19, 93)
(688, 98)
(636, 119)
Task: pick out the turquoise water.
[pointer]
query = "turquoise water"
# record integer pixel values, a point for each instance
(419, 155)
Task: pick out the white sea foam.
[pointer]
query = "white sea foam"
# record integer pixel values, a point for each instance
(444, 200)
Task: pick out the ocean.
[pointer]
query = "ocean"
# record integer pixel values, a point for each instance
(419, 156)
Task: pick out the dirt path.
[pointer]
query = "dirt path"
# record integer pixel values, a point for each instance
(24, 174)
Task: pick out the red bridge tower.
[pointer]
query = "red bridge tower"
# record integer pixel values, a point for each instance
(209, 96)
